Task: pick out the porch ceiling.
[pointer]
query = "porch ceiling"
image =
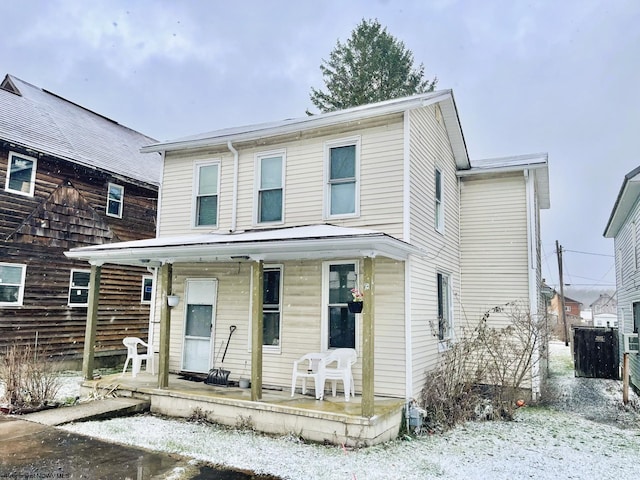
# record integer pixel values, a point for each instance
(294, 243)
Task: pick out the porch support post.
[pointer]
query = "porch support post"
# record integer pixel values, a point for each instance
(166, 273)
(368, 339)
(256, 330)
(92, 322)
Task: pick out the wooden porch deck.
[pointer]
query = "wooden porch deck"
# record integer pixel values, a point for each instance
(332, 420)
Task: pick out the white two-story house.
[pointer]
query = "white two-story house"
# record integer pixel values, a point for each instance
(269, 227)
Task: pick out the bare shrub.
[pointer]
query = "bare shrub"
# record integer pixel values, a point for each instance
(29, 380)
(485, 372)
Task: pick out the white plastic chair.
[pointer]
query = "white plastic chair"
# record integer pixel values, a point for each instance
(305, 367)
(344, 359)
(136, 358)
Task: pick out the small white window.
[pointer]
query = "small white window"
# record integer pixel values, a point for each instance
(79, 288)
(269, 186)
(115, 200)
(206, 195)
(12, 277)
(445, 319)
(342, 167)
(147, 289)
(21, 174)
(439, 204)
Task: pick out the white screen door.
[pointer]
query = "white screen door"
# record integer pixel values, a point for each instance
(199, 321)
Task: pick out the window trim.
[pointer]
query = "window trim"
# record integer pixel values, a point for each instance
(32, 182)
(444, 342)
(257, 181)
(88, 287)
(275, 348)
(142, 300)
(439, 203)
(328, 146)
(21, 286)
(197, 165)
(324, 319)
(119, 202)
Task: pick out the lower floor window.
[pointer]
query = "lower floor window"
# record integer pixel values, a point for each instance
(271, 306)
(342, 323)
(79, 288)
(12, 277)
(444, 307)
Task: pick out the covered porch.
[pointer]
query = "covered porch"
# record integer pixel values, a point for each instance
(332, 420)
(172, 396)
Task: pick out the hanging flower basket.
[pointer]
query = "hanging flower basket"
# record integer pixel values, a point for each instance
(355, 307)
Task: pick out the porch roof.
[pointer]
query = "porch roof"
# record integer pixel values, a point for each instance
(292, 243)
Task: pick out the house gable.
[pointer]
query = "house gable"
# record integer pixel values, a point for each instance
(64, 220)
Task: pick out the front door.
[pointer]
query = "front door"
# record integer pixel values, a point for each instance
(200, 319)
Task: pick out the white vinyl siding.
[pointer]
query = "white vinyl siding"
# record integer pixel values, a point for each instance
(429, 149)
(628, 278)
(381, 153)
(494, 248)
(21, 174)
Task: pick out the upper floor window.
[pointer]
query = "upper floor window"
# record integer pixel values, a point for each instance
(147, 289)
(342, 195)
(79, 288)
(439, 205)
(12, 278)
(21, 174)
(115, 200)
(206, 195)
(272, 306)
(270, 191)
(445, 320)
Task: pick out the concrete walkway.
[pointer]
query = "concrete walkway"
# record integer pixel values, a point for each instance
(95, 410)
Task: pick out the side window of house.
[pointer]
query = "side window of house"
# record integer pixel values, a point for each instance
(206, 195)
(147, 289)
(12, 278)
(439, 204)
(342, 195)
(115, 200)
(21, 174)
(272, 305)
(445, 320)
(270, 191)
(636, 317)
(79, 288)
(341, 322)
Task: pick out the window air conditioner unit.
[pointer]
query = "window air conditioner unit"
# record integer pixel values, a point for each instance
(631, 344)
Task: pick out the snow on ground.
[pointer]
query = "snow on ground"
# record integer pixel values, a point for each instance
(583, 431)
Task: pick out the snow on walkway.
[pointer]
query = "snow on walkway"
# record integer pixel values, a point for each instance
(566, 439)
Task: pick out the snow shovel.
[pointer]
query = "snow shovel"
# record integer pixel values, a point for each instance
(219, 376)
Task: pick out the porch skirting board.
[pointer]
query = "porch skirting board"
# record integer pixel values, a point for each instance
(328, 421)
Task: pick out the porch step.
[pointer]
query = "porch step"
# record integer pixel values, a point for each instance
(95, 410)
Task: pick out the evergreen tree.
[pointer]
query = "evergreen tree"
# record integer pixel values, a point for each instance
(370, 67)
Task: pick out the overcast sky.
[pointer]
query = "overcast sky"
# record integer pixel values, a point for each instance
(528, 76)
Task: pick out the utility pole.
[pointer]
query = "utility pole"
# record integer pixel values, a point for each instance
(562, 312)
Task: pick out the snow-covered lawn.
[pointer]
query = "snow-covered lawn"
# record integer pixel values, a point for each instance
(565, 440)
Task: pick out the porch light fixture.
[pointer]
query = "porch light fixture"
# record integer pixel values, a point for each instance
(173, 300)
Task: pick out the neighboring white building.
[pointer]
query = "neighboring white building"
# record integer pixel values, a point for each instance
(624, 227)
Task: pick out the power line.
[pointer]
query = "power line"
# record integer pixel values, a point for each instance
(589, 253)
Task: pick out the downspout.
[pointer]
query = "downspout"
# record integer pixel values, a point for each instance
(152, 315)
(234, 207)
(532, 235)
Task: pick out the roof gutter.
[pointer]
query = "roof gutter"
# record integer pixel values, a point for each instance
(516, 168)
